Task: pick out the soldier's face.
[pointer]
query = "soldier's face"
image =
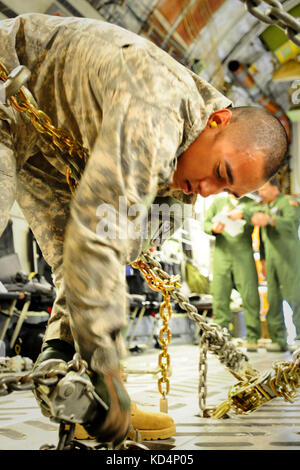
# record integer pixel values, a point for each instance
(210, 166)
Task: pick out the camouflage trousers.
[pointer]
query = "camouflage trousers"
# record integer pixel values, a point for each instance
(47, 212)
(44, 197)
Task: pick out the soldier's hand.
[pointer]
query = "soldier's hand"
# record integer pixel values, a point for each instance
(218, 227)
(112, 426)
(260, 218)
(107, 418)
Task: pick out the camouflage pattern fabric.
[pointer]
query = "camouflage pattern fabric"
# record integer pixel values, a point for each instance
(136, 110)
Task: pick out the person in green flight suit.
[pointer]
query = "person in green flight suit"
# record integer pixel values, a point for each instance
(279, 215)
(233, 264)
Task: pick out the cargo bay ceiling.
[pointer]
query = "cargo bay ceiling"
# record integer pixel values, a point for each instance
(217, 39)
(248, 60)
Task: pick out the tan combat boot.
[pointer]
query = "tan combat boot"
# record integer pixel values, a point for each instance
(151, 426)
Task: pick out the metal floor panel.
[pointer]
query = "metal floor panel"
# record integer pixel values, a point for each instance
(275, 426)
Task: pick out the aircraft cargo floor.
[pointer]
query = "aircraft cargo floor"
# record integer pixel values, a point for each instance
(274, 426)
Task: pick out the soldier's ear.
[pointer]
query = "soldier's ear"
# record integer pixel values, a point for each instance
(220, 118)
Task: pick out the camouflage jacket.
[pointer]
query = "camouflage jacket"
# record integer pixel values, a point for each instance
(135, 109)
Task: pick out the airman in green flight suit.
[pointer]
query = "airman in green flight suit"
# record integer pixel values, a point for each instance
(278, 215)
(233, 264)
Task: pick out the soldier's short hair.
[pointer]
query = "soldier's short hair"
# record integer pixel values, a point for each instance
(255, 127)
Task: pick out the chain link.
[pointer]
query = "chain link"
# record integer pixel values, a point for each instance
(164, 337)
(276, 15)
(214, 338)
(165, 284)
(71, 153)
(31, 381)
(202, 386)
(286, 379)
(254, 390)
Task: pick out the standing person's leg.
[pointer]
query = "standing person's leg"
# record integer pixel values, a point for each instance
(275, 318)
(295, 306)
(245, 278)
(289, 281)
(221, 289)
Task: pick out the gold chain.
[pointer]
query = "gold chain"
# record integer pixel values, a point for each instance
(165, 286)
(73, 154)
(251, 392)
(165, 335)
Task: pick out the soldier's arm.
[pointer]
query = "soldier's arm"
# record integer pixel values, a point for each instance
(136, 143)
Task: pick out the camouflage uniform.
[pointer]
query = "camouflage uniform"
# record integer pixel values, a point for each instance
(136, 110)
